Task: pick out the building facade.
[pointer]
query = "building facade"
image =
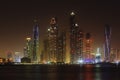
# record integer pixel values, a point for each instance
(35, 43)
(76, 40)
(107, 44)
(53, 39)
(61, 47)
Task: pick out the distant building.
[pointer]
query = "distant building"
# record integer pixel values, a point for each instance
(107, 44)
(28, 48)
(52, 39)
(2, 60)
(45, 53)
(17, 57)
(88, 46)
(35, 43)
(76, 40)
(61, 47)
(9, 56)
(25, 60)
(98, 56)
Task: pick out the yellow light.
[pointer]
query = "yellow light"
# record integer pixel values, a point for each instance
(1, 60)
(28, 39)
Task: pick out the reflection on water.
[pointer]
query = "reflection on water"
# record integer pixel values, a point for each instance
(98, 76)
(57, 73)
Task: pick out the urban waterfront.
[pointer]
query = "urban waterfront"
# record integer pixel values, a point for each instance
(59, 40)
(59, 72)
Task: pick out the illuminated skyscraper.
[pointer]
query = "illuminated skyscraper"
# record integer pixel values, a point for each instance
(28, 48)
(76, 40)
(61, 47)
(98, 56)
(72, 38)
(79, 45)
(107, 43)
(45, 51)
(88, 46)
(52, 39)
(35, 43)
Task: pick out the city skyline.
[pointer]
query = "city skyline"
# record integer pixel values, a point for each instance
(17, 21)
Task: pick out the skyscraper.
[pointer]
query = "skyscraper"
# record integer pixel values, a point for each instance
(53, 39)
(35, 43)
(79, 44)
(17, 57)
(72, 38)
(88, 48)
(45, 51)
(28, 48)
(107, 43)
(76, 40)
(61, 47)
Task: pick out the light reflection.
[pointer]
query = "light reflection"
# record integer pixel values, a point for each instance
(89, 76)
(98, 76)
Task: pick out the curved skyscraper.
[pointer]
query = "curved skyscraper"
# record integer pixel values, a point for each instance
(107, 43)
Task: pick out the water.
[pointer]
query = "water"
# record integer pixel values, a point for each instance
(54, 72)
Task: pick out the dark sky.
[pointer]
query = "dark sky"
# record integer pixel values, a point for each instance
(16, 20)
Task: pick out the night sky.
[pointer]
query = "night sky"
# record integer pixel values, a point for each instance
(16, 20)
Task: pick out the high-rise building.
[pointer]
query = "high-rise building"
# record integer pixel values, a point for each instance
(17, 57)
(28, 48)
(79, 45)
(113, 55)
(61, 47)
(45, 51)
(98, 56)
(72, 38)
(117, 55)
(107, 43)
(88, 48)
(35, 43)
(76, 40)
(52, 39)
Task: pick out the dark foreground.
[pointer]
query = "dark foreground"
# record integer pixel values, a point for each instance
(59, 72)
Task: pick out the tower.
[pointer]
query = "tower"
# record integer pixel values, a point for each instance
(88, 47)
(28, 47)
(76, 40)
(72, 38)
(107, 43)
(79, 45)
(35, 43)
(61, 47)
(17, 57)
(53, 39)
(98, 56)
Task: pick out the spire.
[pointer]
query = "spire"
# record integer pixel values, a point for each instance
(35, 20)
